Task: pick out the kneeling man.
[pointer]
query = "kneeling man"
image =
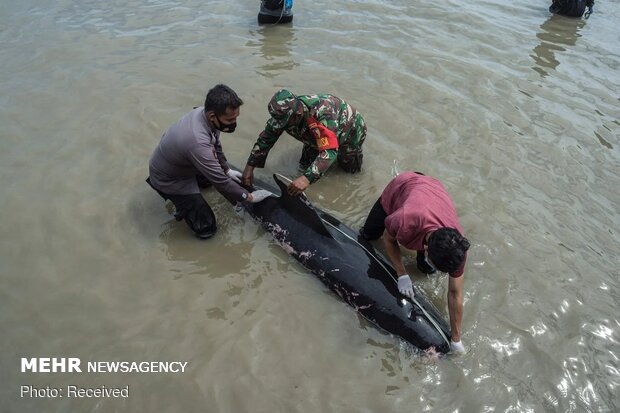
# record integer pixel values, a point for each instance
(191, 150)
(416, 211)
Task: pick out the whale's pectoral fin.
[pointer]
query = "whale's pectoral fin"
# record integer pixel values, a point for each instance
(300, 208)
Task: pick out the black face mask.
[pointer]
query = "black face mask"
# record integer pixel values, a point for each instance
(225, 127)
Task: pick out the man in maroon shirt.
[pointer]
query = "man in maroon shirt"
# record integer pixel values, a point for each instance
(416, 211)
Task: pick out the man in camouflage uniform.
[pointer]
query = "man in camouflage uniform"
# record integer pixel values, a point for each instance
(329, 128)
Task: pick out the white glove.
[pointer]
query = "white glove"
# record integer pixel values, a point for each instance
(404, 286)
(457, 347)
(260, 195)
(234, 175)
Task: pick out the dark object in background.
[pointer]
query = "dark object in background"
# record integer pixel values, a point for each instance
(275, 11)
(572, 8)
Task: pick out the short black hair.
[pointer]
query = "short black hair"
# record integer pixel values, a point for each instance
(221, 97)
(446, 249)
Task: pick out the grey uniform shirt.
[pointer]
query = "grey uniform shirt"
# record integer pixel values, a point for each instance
(190, 147)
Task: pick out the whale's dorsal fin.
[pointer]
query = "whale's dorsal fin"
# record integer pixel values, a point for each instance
(299, 207)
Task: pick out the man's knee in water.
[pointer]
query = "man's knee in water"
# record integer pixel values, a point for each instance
(204, 227)
(201, 220)
(206, 234)
(197, 214)
(351, 163)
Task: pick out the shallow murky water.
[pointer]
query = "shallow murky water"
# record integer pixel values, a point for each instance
(515, 110)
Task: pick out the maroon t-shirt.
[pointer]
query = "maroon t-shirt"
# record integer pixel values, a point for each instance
(416, 205)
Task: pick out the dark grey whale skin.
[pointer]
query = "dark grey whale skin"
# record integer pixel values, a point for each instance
(349, 265)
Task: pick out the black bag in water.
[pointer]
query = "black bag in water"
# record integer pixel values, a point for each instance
(273, 4)
(275, 11)
(571, 8)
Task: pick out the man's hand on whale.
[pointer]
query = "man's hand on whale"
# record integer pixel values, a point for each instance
(405, 287)
(298, 186)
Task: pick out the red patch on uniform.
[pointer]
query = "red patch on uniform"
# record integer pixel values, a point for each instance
(325, 138)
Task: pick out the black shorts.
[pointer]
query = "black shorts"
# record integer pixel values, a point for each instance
(375, 222)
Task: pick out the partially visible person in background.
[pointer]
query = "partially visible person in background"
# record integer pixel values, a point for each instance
(572, 8)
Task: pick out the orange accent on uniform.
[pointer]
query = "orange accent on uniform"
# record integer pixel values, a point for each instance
(325, 138)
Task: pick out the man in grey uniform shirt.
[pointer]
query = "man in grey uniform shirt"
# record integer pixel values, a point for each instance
(190, 148)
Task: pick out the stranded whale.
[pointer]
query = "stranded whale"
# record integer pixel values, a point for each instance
(349, 265)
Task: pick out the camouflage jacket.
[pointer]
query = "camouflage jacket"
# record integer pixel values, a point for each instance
(332, 112)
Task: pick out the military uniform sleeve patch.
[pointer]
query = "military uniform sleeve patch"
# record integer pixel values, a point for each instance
(325, 138)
